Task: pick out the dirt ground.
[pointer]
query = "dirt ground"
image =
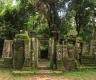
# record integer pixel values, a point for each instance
(37, 77)
(46, 77)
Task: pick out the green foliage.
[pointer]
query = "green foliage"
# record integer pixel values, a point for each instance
(43, 47)
(14, 19)
(25, 15)
(51, 40)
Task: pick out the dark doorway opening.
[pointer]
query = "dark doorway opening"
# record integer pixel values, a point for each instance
(44, 49)
(1, 47)
(44, 54)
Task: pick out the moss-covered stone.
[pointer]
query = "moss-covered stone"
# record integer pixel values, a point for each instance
(70, 63)
(18, 54)
(23, 72)
(72, 33)
(60, 66)
(18, 64)
(79, 39)
(22, 37)
(8, 63)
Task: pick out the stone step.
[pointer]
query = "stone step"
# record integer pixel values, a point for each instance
(88, 67)
(43, 65)
(88, 57)
(43, 60)
(48, 72)
(89, 64)
(16, 72)
(43, 72)
(39, 72)
(43, 68)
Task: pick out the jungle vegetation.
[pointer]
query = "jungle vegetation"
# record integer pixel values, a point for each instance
(38, 15)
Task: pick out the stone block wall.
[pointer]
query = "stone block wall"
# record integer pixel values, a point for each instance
(18, 54)
(93, 47)
(70, 64)
(65, 57)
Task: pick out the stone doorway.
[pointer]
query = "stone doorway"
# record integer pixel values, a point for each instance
(43, 49)
(44, 54)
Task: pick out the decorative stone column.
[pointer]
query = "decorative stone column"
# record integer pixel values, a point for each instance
(71, 51)
(69, 60)
(59, 59)
(54, 35)
(64, 51)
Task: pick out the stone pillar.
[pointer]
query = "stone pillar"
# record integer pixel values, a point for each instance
(91, 47)
(84, 49)
(35, 51)
(18, 54)
(94, 46)
(64, 51)
(51, 48)
(78, 50)
(59, 59)
(7, 49)
(59, 52)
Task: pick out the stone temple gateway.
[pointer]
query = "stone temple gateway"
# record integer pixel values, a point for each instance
(24, 52)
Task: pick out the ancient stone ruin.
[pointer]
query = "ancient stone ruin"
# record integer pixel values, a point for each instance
(23, 53)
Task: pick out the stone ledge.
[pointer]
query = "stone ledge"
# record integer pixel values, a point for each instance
(22, 72)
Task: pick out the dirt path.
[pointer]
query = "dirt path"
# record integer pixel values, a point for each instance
(39, 77)
(47, 77)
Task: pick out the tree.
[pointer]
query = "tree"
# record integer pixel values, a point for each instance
(14, 18)
(81, 17)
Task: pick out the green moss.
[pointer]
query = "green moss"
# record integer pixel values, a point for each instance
(7, 63)
(22, 37)
(72, 33)
(79, 39)
(32, 51)
(70, 46)
(22, 72)
(51, 40)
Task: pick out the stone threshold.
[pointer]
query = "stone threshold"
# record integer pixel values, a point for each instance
(38, 72)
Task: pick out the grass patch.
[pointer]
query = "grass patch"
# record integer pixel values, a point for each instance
(81, 74)
(48, 64)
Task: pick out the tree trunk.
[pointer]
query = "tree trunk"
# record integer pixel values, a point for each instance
(78, 19)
